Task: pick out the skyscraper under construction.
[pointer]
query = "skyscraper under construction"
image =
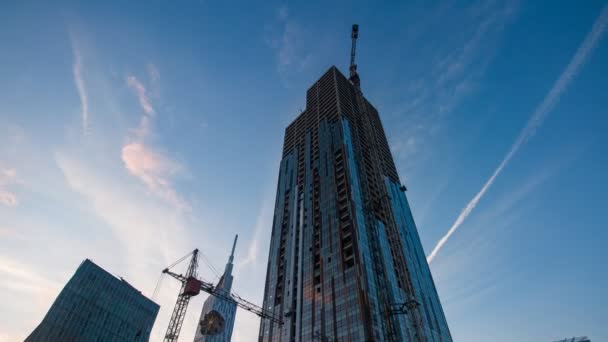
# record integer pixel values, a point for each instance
(346, 262)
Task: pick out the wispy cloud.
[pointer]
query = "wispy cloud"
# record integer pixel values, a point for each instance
(537, 118)
(117, 183)
(7, 177)
(141, 92)
(148, 233)
(77, 70)
(20, 277)
(144, 162)
(262, 224)
(287, 42)
(138, 223)
(154, 77)
(35, 293)
(132, 195)
(454, 69)
(253, 266)
(153, 72)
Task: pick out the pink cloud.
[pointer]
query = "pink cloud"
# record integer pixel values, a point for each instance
(144, 162)
(9, 173)
(7, 177)
(141, 92)
(8, 198)
(154, 170)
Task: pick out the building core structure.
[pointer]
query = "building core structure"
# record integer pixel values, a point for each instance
(345, 262)
(96, 306)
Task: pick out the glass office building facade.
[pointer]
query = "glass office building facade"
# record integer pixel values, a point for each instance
(345, 261)
(95, 306)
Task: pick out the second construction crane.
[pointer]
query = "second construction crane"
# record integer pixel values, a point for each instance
(192, 286)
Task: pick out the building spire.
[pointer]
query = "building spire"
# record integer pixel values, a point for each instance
(236, 237)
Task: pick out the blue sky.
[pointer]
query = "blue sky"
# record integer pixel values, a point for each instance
(131, 133)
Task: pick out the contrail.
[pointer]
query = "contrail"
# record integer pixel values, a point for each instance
(541, 112)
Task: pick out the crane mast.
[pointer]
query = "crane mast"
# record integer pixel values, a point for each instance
(354, 77)
(179, 312)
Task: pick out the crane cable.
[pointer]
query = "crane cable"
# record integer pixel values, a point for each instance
(180, 260)
(157, 287)
(205, 260)
(215, 271)
(208, 263)
(162, 274)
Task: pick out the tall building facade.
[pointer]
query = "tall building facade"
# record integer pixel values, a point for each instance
(345, 262)
(96, 306)
(217, 318)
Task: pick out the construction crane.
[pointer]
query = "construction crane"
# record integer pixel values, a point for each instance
(354, 77)
(192, 286)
